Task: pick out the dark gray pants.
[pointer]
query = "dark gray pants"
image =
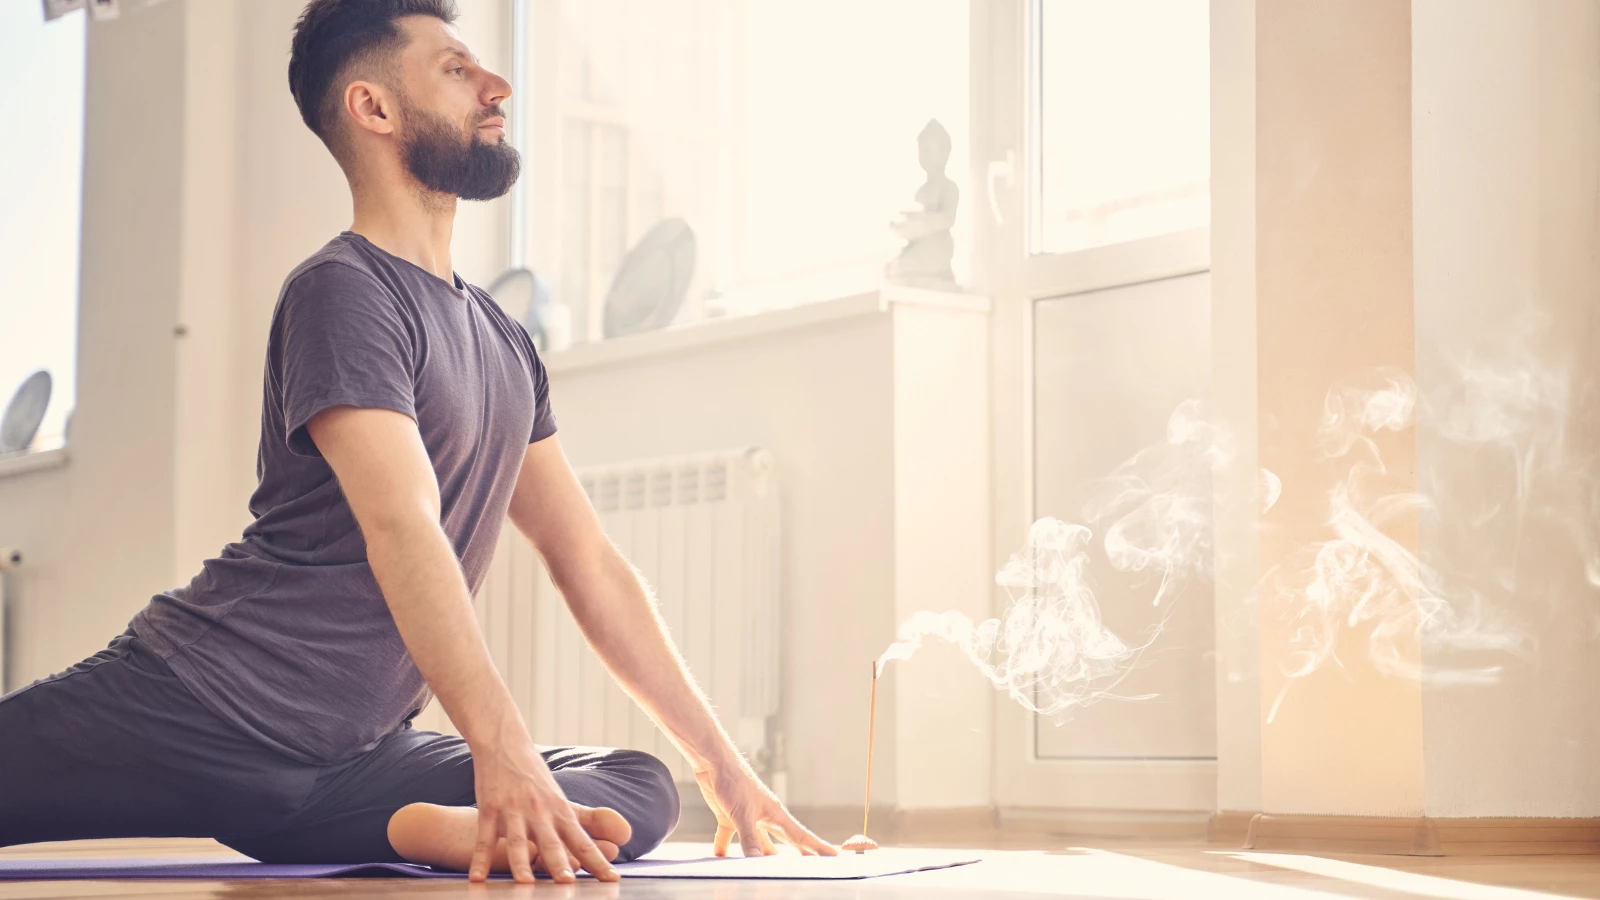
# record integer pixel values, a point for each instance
(116, 746)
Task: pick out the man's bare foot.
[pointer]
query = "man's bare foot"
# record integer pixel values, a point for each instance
(444, 836)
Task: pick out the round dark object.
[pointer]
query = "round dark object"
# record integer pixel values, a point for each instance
(517, 292)
(25, 412)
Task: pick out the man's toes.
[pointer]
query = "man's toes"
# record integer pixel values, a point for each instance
(604, 824)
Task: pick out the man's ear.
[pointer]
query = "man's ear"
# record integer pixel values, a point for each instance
(370, 106)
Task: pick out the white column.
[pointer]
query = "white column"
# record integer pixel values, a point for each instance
(942, 708)
(1233, 386)
(1506, 128)
(208, 510)
(1333, 302)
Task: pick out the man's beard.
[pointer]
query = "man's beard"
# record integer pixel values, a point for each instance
(442, 159)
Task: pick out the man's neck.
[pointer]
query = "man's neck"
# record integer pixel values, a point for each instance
(409, 224)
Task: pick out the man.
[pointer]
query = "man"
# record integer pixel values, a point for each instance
(268, 703)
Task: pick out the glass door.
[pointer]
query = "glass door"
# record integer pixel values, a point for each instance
(1093, 147)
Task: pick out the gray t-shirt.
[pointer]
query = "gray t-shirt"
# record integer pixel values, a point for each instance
(286, 634)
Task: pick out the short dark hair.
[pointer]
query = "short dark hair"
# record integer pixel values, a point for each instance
(333, 35)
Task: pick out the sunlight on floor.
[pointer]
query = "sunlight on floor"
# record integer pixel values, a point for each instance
(1389, 879)
(1085, 872)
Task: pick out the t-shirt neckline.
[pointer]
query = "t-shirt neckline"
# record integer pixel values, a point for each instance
(457, 284)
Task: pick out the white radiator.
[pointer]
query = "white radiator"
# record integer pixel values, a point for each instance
(704, 532)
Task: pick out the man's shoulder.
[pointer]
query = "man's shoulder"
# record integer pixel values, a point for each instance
(340, 259)
(338, 284)
(341, 271)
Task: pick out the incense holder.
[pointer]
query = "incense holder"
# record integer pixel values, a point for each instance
(860, 843)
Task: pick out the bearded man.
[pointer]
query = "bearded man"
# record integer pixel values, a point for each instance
(268, 703)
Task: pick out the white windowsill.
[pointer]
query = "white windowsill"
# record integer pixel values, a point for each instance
(695, 335)
(32, 461)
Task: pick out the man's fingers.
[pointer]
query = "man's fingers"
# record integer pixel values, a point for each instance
(749, 836)
(539, 865)
(719, 844)
(778, 832)
(550, 846)
(483, 851)
(767, 849)
(589, 856)
(803, 838)
(517, 850)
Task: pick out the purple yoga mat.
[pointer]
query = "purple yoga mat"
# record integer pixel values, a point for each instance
(204, 867)
(786, 867)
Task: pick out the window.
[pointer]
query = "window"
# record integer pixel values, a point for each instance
(1122, 126)
(784, 134)
(41, 176)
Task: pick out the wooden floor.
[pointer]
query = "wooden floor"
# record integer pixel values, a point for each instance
(1013, 868)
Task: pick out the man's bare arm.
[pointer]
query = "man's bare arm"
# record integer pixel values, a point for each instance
(618, 616)
(389, 482)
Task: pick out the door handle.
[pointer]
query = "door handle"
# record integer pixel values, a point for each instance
(1001, 169)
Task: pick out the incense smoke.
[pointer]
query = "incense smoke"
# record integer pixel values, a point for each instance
(1499, 477)
(1050, 650)
(1526, 413)
(1363, 578)
(1156, 507)
(1432, 573)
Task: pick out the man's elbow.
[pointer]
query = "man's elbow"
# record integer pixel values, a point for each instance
(579, 558)
(398, 522)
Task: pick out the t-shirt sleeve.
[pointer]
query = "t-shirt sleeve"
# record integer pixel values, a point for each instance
(343, 343)
(544, 417)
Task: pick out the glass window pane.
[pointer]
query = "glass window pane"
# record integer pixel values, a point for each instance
(785, 134)
(41, 179)
(1124, 132)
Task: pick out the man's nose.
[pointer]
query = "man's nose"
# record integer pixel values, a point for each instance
(496, 90)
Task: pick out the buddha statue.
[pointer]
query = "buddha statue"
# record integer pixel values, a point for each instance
(925, 261)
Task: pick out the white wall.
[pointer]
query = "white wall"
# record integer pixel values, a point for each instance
(208, 458)
(1506, 165)
(942, 706)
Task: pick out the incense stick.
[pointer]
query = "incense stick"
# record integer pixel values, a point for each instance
(872, 723)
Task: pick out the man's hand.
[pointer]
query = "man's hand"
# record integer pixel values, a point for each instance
(385, 474)
(616, 613)
(519, 800)
(745, 806)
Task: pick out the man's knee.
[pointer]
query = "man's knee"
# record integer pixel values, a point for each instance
(657, 812)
